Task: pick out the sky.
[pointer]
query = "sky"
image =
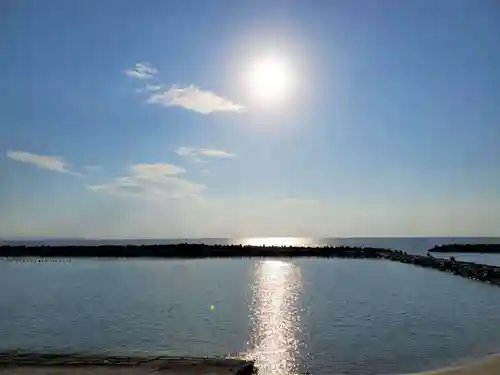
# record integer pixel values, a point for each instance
(225, 118)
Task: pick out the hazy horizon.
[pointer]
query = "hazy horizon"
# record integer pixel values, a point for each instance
(322, 119)
(216, 238)
(258, 241)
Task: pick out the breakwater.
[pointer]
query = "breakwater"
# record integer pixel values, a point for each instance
(481, 272)
(475, 271)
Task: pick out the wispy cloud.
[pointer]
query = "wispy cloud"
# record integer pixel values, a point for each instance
(52, 163)
(150, 88)
(156, 171)
(194, 99)
(200, 154)
(151, 181)
(142, 70)
(153, 87)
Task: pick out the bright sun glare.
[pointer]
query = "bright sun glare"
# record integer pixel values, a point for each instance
(270, 79)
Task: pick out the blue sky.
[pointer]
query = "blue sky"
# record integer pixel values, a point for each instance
(136, 119)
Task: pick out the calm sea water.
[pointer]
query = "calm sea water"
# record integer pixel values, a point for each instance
(335, 316)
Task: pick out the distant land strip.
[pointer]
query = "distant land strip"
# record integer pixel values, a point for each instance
(481, 272)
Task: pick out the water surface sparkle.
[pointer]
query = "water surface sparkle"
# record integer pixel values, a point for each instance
(276, 241)
(275, 293)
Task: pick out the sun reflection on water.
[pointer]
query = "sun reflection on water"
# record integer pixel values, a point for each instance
(273, 343)
(276, 241)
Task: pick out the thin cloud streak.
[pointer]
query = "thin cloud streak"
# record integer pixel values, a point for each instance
(52, 163)
(200, 153)
(150, 88)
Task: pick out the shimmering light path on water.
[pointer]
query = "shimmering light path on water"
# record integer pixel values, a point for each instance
(277, 241)
(273, 342)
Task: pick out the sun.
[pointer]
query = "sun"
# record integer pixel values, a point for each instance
(269, 79)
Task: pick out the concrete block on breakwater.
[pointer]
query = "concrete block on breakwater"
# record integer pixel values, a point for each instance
(475, 271)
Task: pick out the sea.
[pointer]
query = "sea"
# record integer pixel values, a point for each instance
(292, 316)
